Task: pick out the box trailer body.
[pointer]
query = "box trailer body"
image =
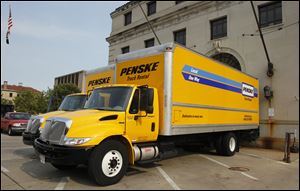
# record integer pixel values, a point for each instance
(160, 99)
(196, 94)
(99, 76)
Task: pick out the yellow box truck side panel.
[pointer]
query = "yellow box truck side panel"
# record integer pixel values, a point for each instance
(144, 71)
(95, 80)
(205, 92)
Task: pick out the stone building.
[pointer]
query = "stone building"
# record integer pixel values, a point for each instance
(76, 78)
(228, 32)
(10, 92)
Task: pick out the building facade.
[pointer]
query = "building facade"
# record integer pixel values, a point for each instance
(76, 78)
(226, 31)
(10, 92)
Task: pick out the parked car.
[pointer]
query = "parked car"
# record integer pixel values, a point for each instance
(14, 122)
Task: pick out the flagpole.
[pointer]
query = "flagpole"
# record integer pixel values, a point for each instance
(6, 39)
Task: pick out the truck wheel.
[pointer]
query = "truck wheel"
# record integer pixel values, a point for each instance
(10, 132)
(64, 167)
(108, 162)
(219, 145)
(229, 142)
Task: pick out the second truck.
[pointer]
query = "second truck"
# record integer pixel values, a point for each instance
(163, 97)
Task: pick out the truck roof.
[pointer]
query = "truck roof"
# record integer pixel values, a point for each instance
(77, 94)
(163, 48)
(119, 85)
(100, 69)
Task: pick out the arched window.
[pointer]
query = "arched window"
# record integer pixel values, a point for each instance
(228, 59)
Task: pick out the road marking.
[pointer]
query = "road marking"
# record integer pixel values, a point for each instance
(249, 176)
(62, 183)
(261, 157)
(165, 175)
(226, 166)
(4, 169)
(280, 162)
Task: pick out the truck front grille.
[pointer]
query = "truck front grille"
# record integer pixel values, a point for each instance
(54, 132)
(33, 125)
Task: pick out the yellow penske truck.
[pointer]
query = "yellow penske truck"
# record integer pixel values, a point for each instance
(71, 102)
(93, 79)
(163, 97)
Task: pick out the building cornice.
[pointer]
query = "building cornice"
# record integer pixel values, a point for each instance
(173, 17)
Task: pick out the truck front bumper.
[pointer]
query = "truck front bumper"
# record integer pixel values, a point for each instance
(62, 155)
(28, 138)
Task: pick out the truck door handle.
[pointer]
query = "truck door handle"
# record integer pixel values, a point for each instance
(153, 126)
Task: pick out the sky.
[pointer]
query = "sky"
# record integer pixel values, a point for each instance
(50, 39)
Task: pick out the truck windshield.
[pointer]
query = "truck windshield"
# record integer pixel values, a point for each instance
(71, 103)
(109, 98)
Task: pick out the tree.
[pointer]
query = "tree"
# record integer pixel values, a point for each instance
(59, 92)
(6, 101)
(31, 102)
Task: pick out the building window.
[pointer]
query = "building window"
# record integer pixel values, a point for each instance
(73, 80)
(228, 59)
(125, 50)
(270, 14)
(218, 28)
(127, 18)
(180, 36)
(10, 94)
(149, 43)
(76, 78)
(177, 2)
(151, 7)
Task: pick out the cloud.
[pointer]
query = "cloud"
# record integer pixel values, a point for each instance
(44, 31)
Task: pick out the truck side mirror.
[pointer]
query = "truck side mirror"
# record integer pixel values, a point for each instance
(149, 109)
(146, 99)
(143, 98)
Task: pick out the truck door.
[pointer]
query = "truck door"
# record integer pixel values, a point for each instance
(140, 127)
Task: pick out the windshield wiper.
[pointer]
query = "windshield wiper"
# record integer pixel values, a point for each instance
(68, 109)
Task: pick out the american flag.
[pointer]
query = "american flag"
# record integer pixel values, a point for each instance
(10, 24)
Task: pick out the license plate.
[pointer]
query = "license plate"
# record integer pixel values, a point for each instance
(42, 159)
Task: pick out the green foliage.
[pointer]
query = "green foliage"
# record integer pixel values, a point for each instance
(6, 101)
(31, 102)
(59, 92)
(37, 103)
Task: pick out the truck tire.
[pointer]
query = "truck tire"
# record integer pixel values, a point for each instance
(219, 145)
(229, 144)
(64, 167)
(108, 162)
(10, 132)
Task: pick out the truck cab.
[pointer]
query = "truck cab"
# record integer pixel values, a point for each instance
(70, 103)
(103, 134)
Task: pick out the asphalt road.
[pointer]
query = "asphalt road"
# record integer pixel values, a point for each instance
(251, 168)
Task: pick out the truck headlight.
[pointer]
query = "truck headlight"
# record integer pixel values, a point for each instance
(75, 141)
(16, 124)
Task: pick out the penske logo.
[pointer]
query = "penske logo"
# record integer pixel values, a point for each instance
(247, 90)
(139, 69)
(99, 81)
